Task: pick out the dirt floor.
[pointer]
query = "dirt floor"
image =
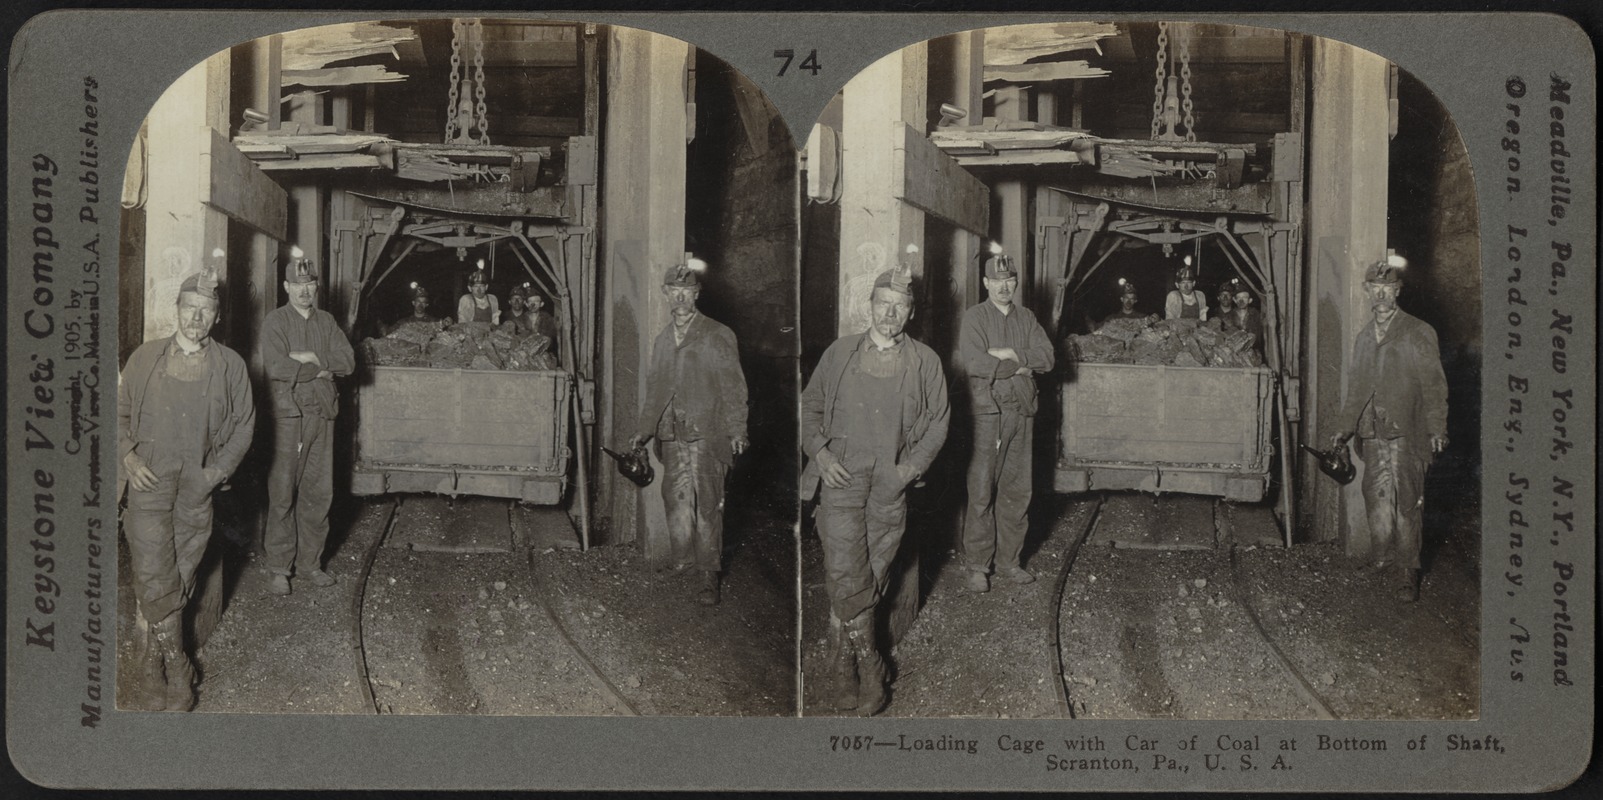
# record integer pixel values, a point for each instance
(1165, 633)
(523, 624)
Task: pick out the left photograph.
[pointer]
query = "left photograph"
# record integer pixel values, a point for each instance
(459, 376)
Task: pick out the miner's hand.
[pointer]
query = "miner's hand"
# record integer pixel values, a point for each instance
(139, 475)
(1438, 443)
(636, 442)
(306, 357)
(907, 473)
(1004, 354)
(835, 476)
(214, 476)
(738, 444)
(1339, 439)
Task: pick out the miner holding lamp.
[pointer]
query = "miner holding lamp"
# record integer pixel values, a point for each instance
(1396, 404)
(695, 407)
(185, 419)
(873, 416)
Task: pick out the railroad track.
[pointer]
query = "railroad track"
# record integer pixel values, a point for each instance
(1061, 657)
(365, 682)
(1060, 684)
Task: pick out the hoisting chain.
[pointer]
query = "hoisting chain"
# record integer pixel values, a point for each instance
(451, 132)
(1161, 77)
(480, 108)
(1184, 41)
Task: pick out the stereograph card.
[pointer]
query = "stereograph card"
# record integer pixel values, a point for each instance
(1179, 402)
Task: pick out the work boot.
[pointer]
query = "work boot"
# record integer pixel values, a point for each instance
(842, 666)
(321, 579)
(152, 683)
(1016, 575)
(178, 673)
(974, 582)
(278, 584)
(1408, 589)
(709, 588)
(870, 667)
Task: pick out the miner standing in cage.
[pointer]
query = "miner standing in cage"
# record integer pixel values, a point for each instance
(1396, 404)
(1001, 348)
(185, 418)
(695, 407)
(303, 350)
(873, 416)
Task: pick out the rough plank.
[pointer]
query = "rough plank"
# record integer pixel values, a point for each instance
(313, 48)
(1016, 44)
(1051, 71)
(340, 76)
(237, 187)
(1023, 158)
(932, 181)
(329, 161)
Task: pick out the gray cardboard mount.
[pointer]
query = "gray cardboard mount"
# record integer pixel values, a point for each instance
(1475, 63)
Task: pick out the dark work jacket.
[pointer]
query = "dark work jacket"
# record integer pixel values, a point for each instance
(995, 383)
(294, 387)
(694, 389)
(230, 416)
(1401, 375)
(925, 410)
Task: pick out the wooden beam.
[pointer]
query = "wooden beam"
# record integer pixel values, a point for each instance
(323, 161)
(530, 54)
(1268, 49)
(341, 76)
(928, 179)
(236, 187)
(643, 178)
(1024, 158)
(1348, 161)
(1037, 73)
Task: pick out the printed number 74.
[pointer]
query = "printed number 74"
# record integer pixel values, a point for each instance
(809, 63)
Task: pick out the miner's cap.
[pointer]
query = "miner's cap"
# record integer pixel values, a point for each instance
(1388, 270)
(686, 275)
(1000, 266)
(300, 270)
(203, 283)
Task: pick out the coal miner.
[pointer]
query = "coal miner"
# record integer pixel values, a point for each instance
(303, 350)
(1001, 348)
(478, 305)
(1396, 404)
(1127, 304)
(420, 307)
(873, 416)
(184, 419)
(695, 407)
(1185, 302)
(526, 312)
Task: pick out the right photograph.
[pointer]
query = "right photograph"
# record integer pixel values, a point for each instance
(1141, 369)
